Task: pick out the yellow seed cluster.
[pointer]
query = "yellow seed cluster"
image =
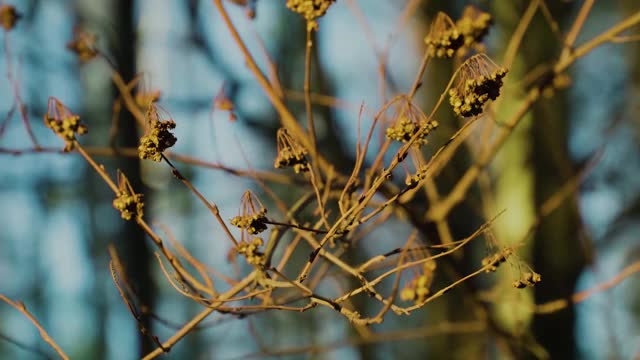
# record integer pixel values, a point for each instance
(291, 157)
(473, 25)
(66, 128)
(444, 39)
(469, 99)
(251, 251)
(446, 45)
(64, 123)
(413, 180)
(529, 278)
(129, 205)
(290, 153)
(406, 128)
(310, 9)
(8, 17)
(253, 223)
(158, 140)
(418, 289)
(84, 46)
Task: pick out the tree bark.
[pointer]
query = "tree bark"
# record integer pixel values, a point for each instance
(132, 244)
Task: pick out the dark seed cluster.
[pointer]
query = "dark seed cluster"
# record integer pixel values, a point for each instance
(253, 223)
(158, 137)
(469, 98)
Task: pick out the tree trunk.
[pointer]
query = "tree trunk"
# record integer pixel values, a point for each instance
(132, 244)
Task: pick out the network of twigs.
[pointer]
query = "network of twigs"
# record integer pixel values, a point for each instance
(363, 200)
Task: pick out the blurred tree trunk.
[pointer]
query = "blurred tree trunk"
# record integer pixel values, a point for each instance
(538, 147)
(132, 245)
(513, 188)
(557, 252)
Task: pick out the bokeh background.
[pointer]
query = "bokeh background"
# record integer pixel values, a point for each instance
(56, 218)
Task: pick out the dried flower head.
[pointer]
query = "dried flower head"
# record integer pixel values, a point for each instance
(418, 289)
(63, 122)
(473, 25)
(252, 216)
(290, 153)
(158, 136)
(479, 80)
(127, 201)
(444, 39)
(310, 9)
(409, 122)
(251, 251)
(493, 261)
(83, 45)
(530, 278)
(8, 17)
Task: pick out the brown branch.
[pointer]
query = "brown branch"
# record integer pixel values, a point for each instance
(561, 304)
(18, 305)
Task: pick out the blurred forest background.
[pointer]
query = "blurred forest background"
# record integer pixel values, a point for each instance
(57, 220)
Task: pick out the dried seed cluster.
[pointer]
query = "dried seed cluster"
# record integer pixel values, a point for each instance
(63, 122)
(290, 157)
(252, 218)
(474, 25)
(492, 262)
(444, 39)
(529, 278)
(406, 128)
(251, 251)
(310, 9)
(127, 201)
(479, 81)
(8, 17)
(290, 153)
(418, 289)
(413, 180)
(84, 46)
(158, 137)
(253, 223)
(129, 205)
